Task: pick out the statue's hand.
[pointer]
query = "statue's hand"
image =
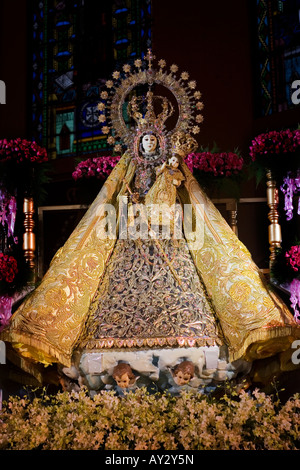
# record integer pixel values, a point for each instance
(161, 169)
(163, 166)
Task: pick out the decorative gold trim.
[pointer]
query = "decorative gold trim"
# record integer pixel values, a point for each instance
(138, 343)
(37, 350)
(265, 342)
(35, 370)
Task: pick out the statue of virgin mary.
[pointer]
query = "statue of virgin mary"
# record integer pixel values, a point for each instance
(153, 274)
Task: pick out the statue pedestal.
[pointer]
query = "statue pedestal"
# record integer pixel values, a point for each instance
(154, 368)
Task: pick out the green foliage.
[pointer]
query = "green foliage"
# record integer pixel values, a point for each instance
(257, 171)
(143, 421)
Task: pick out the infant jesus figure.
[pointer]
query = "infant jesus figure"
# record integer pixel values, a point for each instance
(162, 197)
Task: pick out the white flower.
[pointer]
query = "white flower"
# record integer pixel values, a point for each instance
(199, 118)
(197, 95)
(196, 130)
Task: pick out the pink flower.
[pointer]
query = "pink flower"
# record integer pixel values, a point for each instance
(20, 150)
(293, 257)
(275, 143)
(218, 164)
(295, 298)
(290, 187)
(99, 167)
(8, 268)
(5, 310)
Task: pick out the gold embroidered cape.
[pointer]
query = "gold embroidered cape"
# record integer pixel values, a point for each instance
(48, 325)
(255, 321)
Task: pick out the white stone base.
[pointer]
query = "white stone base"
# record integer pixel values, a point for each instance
(95, 368)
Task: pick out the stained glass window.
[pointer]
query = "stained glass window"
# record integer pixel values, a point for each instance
(278, 47)
(131, 29)
(76, 46)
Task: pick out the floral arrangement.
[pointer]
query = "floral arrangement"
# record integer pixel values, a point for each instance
(98, 167)
(24, 165)
(23, 170)
(216, 164)
(293, 257)
(8, 271)
(21, 151)
(286, 272)
(8, 263)
(290, 188)
(141, 421)
(6, 303)
(8, 268)
(277, 151)
(8, 211)
(293, 261)
(295, 298)
(266, 146)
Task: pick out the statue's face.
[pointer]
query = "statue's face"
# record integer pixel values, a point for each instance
(173, 161)
(123, 381)
(149, 142)
(182, 378)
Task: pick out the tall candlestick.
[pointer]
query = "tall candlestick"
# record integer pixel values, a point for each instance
(275, 238)
(29, 236)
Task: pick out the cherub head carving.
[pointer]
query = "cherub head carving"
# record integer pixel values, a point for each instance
(124, 375)
(183, 372)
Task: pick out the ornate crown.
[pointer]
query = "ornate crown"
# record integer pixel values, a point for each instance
(149, 118)
(119, 95)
